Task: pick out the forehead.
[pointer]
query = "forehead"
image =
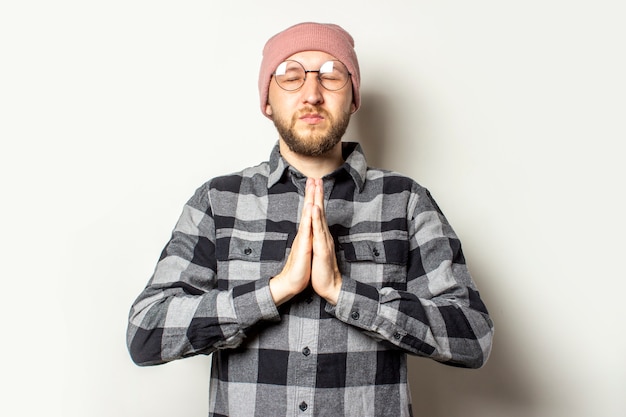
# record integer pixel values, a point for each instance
(311, 58)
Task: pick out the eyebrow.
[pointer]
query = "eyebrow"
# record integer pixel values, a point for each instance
(327, 66)
(281, 69)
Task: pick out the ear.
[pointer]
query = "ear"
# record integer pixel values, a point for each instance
(352, 108)
(268, 109)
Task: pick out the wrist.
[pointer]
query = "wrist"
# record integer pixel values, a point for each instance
(280, 289)
(333, 294)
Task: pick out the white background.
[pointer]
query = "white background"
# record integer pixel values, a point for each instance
(511, 113)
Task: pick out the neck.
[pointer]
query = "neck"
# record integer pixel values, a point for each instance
(313, 166)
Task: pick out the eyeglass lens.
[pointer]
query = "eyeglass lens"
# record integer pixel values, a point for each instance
(291, 75)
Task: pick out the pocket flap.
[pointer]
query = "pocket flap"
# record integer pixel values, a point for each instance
(233, 244)
(387, 247)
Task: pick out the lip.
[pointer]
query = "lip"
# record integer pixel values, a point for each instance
(312, 118)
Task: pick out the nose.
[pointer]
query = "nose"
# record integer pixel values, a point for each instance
(312, 90)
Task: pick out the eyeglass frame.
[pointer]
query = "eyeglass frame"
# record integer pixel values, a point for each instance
(306, 72)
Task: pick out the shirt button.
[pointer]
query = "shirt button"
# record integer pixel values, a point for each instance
(397, 336)
(355, 315)
(376, 253)
(247, 251)
(303, 406)
(306, 351)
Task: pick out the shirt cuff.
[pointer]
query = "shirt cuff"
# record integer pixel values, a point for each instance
(357, 304)
(253, 302)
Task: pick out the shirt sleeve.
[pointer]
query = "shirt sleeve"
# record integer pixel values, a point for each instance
(181, 312)
(440, 315)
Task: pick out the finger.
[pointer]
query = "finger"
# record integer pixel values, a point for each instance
(304, 234)
(316, 219)
(309, 198)
(304, 229)
(319, 226)
(309, 192)
(319, 195)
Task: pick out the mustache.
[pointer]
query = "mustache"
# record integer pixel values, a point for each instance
(312, 110)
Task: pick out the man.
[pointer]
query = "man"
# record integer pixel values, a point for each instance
(311, 276)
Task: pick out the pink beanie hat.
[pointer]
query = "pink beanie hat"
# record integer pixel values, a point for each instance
(328, 38)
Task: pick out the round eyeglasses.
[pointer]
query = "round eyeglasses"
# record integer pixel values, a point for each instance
(332, 75)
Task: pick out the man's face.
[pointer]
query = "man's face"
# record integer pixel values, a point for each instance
(312, 119)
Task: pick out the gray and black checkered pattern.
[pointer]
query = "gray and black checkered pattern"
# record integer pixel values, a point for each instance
(406, 289)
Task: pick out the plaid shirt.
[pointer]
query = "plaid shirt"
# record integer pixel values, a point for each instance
(406, 289)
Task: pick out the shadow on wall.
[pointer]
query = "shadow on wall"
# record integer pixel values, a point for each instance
(501, 387)
(370, 127)
(385, 130)
(497, 389)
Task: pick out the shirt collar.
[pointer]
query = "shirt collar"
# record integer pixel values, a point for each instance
(355, 164)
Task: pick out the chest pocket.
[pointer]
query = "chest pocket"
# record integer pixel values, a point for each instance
(248, 256)
(379, 259)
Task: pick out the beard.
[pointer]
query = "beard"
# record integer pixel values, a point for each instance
(312, 142)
